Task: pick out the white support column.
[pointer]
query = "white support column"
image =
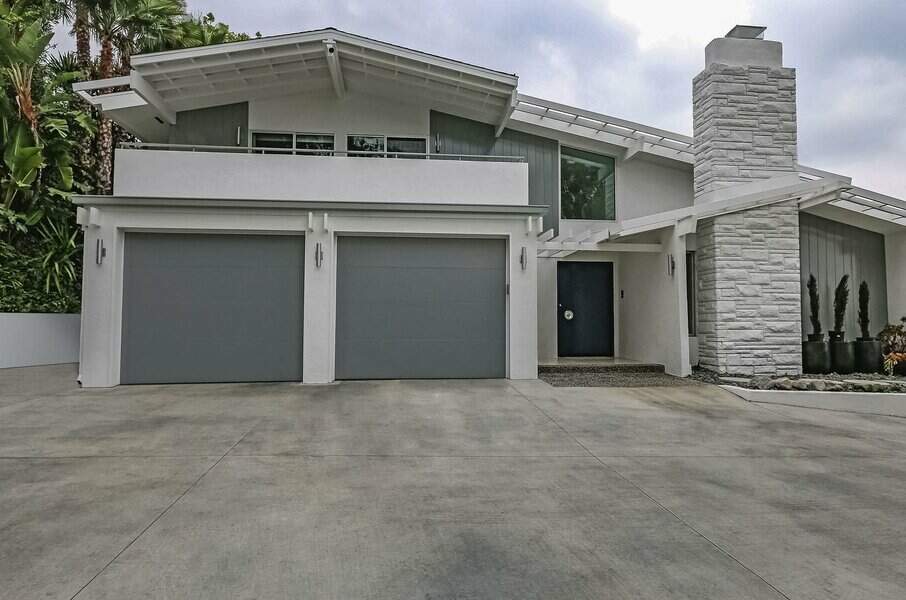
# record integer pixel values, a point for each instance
(317, 321)
(678, 362)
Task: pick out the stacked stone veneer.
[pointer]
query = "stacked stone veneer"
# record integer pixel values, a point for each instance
(749, 304)
(749, 297)
(744, 122)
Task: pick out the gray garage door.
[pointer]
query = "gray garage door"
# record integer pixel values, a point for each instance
(420, 308)
(210, 308)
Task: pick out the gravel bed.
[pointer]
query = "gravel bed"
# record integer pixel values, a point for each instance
(614, 379)
(832, 382)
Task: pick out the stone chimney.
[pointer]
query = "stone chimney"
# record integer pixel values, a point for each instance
(744, 118)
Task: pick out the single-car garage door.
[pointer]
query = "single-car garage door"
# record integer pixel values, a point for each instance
(211, 308)
(420, 308)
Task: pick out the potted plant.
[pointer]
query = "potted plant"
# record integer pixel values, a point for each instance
(843, 353)
(893, 346)
(868, 349)
(815, 351)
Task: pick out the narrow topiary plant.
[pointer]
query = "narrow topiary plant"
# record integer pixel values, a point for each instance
(814, 300)
(863, 310)
(841, 298)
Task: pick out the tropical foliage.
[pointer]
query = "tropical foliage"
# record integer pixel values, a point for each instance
(52, 143)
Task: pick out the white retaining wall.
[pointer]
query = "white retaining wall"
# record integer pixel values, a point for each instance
(29, 339)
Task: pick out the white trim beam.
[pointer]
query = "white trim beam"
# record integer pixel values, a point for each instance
(333, 65)
(507, 113)
(100, 84)
(150, 95)
(601, 247)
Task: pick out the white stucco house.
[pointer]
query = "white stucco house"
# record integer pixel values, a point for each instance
(320, 206)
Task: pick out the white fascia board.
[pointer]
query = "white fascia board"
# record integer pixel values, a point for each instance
(823, 174)
(114, 101)
(100, 84)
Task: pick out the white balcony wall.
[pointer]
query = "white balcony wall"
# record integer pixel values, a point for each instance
(215, 175)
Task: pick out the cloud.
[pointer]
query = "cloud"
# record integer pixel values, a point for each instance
(636, 58)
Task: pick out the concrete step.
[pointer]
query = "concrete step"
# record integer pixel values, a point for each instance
(602, 368)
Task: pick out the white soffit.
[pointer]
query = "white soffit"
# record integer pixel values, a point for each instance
(635, 137)
(862, 201)
(322, 59)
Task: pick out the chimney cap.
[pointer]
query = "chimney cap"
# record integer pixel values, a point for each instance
(747, 32)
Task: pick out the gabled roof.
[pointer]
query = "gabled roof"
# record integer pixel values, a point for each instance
(324, 59)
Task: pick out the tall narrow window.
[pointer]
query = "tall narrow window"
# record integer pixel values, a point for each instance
(587, 185)
(365, 144)
(691, 295)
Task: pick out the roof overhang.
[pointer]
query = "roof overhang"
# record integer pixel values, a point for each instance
(165, 83)
(685, 220)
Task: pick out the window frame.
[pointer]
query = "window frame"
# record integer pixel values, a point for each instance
(385, 153)
(293, 150)
(560, 148)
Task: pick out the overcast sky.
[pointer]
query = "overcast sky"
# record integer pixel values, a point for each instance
(635, 59)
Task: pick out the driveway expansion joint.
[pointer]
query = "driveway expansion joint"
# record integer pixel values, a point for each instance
(164, 511)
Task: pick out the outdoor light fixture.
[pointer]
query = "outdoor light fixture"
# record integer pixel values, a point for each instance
(99, 251)
(523, 258)
(671, 265)
(319, 255)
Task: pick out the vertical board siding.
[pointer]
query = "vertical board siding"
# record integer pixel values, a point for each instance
(829, 250)
(214, 126)
(456, 135)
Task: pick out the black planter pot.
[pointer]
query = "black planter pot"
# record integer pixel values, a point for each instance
(843, 357)
(868, 355)
(816, 355)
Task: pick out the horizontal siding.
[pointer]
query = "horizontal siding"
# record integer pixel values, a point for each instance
(829, 250)
(456, 135)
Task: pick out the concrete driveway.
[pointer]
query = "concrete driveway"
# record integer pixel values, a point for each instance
(447, 489)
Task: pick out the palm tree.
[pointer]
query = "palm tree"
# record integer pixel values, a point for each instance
(123, 27)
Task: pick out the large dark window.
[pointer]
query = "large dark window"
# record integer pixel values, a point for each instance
(587, 189)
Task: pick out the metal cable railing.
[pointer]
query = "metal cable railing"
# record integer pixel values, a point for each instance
(307, 152)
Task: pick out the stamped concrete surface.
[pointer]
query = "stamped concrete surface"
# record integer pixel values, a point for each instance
(444, 489)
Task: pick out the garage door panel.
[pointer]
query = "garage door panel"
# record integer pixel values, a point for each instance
(420, 308)
(209, 308)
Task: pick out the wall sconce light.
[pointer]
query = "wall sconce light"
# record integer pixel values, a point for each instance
(671, 265)
(319, 255)
(99, 251)
(523, 258)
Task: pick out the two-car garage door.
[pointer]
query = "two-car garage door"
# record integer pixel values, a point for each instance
(219, 308)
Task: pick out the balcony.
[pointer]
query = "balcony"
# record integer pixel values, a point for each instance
(222, 172)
